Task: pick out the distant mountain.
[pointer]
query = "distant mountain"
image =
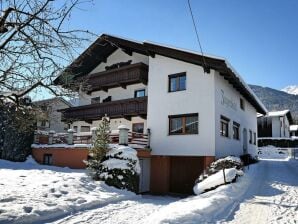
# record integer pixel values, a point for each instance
(291, 89)
(277, 100)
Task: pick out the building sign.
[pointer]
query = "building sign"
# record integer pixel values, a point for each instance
(228, 102)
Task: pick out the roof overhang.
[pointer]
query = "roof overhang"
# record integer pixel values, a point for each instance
(105, 45)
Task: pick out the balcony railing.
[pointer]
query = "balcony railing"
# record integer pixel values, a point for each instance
(123, 76)
(113, 109)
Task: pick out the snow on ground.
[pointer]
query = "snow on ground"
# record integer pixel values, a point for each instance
(30, 192)
(124, 212)
(271, 152)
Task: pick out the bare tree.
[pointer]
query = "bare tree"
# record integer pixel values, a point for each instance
(35, 44)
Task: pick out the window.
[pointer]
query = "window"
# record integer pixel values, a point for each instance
(75, 128)
(140, 93)
(47, 159)
(177, 82)
(255, 138)
(85, 128)
(95, 100)
(242, 105)
(183, 124)
(138, 127)
(250, 137)
(224, 126)
(45, 123)
(236, 130)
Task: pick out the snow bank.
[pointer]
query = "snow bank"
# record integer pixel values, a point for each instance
(216, 179)
(205, 208)
(37, 193)
(271, 152)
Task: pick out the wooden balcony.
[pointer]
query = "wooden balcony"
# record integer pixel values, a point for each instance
(118, 77)
(113, 109)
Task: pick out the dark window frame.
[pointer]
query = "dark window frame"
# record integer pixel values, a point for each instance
(48, 159)
(224, 122)
(250, 136)
(139, 90)
(176, 76)
(237, 126)
(183, 117)
(95, 100)
(84, 126)
(255, 138)
(135, 124)
(242, 104)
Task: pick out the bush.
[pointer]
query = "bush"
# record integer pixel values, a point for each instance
(17, 124)
(120, 168)
(247, 159)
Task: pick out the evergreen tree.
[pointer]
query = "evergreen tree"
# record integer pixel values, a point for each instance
(99, 148)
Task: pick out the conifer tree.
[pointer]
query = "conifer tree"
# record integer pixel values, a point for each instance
(99, 148)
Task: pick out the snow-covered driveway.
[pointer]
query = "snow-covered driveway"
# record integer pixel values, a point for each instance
(269, 195)
(128, 211)
(272, 198)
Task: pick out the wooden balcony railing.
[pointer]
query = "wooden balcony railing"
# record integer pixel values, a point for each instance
(123, 76)
(113, 109)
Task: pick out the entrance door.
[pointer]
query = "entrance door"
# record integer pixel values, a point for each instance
(244, 141)
(144, 184)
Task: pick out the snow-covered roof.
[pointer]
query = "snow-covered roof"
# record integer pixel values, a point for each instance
(294, 127)
(278, 113)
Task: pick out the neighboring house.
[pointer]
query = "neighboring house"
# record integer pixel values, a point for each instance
(275, 124)
(294, 130)
(50, 118)
(195, 112)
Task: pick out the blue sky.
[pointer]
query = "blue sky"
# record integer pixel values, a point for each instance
(259, 38)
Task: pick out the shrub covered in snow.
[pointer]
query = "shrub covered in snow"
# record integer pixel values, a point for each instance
(217, 179)
(220, 172)
(225, 163)
(120, 168)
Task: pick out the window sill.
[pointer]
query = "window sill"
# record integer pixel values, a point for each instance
(177, 91)
(182, 134)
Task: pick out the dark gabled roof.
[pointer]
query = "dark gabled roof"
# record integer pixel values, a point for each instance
(105, 45)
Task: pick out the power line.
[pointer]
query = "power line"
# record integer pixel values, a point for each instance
(198, 38)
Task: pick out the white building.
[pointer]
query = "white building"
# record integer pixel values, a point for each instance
(294, 131)
(50, 117)
(275, 124)
(195, 111)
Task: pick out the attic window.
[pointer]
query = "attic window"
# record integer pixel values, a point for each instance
(242, 105)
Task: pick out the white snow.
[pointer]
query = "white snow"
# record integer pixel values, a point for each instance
(216, 179)
(292, 89)
(30, 192)
(294, 127)
(124, 153)
(277, 113)
(271, 152)
(228, 158)
(60, 146)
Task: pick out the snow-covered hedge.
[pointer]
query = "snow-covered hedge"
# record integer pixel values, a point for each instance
(213, 177)
(227, 162)
(216, 180)
(120, 168)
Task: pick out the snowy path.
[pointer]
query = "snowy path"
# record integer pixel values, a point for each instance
(128, 211)
(273, 198)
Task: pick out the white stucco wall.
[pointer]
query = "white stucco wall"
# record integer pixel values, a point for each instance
(276, 128)
(197, 98)
(280, 127)
(246, 118)
(120, 56)
(114, 123)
